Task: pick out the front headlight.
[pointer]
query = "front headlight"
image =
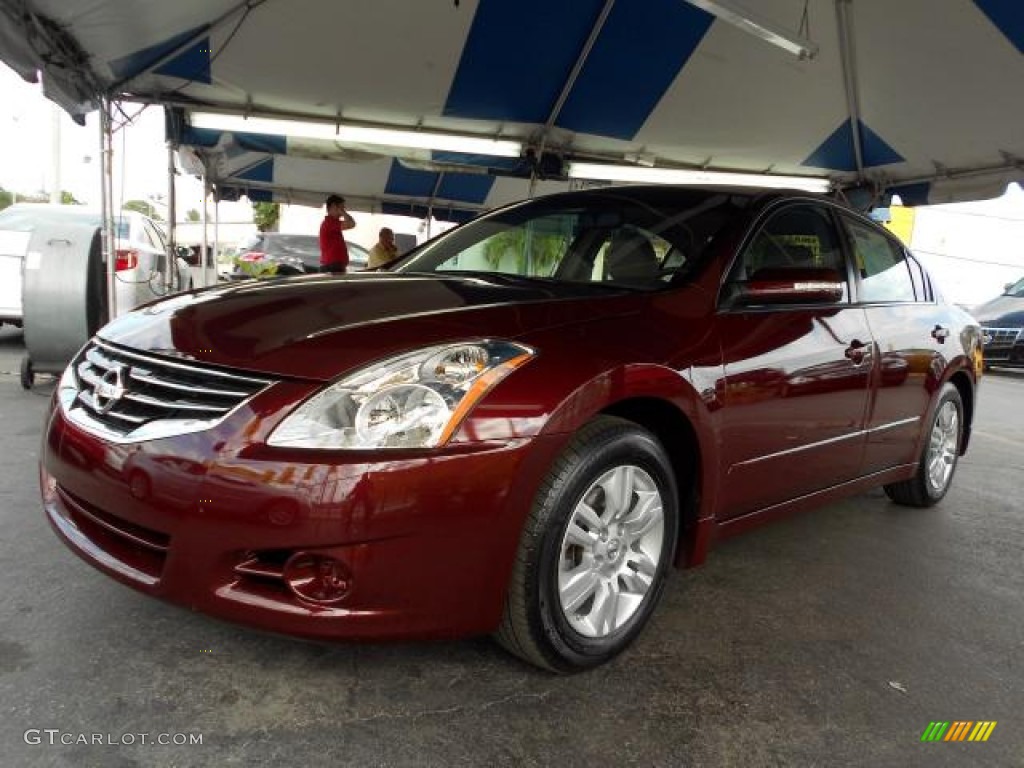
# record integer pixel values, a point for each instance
(416, 400)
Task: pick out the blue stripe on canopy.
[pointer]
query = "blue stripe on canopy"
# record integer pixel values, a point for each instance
(261, 171)
(408, 182)
(464, 187)
(517, 56)
(836, 152)
(488, 161)
(191, 64)
(1008, 16)
(641, 49)
(419, 211)
(254, 142)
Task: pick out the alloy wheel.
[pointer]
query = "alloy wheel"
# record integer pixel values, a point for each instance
(611, 551)
(942, 448)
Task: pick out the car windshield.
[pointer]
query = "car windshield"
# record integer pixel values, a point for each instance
(1017, 289)
(26, 219)
(614, 238)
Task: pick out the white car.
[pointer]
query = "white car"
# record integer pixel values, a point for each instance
(141, 259)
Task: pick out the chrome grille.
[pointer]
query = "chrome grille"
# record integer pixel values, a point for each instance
(1000, 337)
(126, 393)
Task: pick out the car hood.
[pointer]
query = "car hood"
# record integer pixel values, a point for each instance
(1001, 312)
(317, 327)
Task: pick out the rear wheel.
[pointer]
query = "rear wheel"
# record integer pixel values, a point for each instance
(595, 550)
(938, 462)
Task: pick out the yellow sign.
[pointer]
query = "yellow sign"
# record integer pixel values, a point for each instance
(902, 223)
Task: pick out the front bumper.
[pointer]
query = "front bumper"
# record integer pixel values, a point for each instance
(207, 520)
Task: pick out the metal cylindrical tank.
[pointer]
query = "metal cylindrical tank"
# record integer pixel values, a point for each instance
(63, 296)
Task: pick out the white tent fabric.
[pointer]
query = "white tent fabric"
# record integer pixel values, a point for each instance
(921, 97)
(272, 169)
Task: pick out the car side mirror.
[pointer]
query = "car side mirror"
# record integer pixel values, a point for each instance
(810, 285)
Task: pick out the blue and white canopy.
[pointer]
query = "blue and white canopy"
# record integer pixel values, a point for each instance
(921, 97)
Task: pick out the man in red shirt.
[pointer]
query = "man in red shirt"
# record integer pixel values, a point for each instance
(333, 251)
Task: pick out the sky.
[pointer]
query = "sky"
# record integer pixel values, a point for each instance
(971, 249)
(140, 154)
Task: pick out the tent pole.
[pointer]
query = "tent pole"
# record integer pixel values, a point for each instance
(848, 58)
(567, 87)
(206, 220)
(108, 243)
(216, 234)
(172, 219)
(430, 202)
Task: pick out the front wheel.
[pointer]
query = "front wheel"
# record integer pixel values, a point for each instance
(938, 462)
(595, 549)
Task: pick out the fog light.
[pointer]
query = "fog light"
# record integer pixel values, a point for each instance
(317, 578)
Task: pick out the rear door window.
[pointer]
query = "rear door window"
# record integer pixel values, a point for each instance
(882, 267)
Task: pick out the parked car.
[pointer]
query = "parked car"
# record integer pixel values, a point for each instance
(520, 428)
(1002, 321)
(141, 254)
(290, 254)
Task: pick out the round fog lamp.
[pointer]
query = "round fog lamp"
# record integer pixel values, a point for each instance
(317, 578)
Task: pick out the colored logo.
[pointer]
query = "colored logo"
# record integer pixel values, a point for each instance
(959, 730)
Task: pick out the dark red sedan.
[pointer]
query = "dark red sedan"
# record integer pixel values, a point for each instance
(520, 428)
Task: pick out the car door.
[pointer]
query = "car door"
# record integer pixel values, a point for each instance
(797, 376)
(912, 336)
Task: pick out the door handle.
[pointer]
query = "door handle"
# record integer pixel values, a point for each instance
(940, 334)
(855, 351)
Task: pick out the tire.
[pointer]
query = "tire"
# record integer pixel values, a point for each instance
(938, 460)
(28, 376)
(587, 576)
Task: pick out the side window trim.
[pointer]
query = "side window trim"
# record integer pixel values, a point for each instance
(919, 275)
(846, 253)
